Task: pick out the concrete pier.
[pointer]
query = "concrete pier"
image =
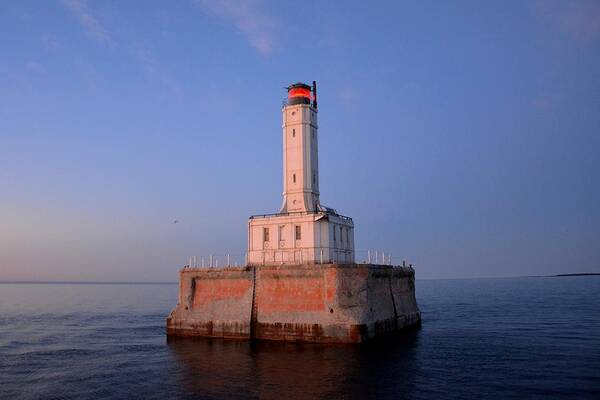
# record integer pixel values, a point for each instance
(321, 303)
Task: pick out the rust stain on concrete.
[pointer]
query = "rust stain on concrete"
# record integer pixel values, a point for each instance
(321, 303)
(209, 290)
(291, 294)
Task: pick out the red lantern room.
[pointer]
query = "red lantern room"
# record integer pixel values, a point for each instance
(301, 93)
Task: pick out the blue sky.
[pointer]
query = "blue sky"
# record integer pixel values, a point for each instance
(461, 136)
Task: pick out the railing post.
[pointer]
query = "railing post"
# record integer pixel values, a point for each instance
(228, 261)
(321, 256)
(211, 260)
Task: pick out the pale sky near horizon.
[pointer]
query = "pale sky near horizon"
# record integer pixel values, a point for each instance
(461, 136)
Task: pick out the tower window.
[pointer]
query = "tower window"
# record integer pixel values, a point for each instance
(293, 133)
(298, 232)
(294, 178)
(265, 234)
(334, 231)
(281, 232)
(314, 178)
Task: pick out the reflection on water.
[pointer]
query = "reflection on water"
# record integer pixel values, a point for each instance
(280, 370)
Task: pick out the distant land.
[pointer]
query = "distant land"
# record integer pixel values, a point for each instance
(91, 283)
(175, 283)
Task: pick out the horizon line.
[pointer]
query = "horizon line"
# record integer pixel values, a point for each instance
(175, 283)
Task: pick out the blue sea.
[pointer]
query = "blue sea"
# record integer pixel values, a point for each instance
(494, 338)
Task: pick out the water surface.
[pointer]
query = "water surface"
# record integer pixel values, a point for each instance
(502, 338)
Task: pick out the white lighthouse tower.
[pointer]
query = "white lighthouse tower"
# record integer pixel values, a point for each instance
(303, 231)
(300, 152)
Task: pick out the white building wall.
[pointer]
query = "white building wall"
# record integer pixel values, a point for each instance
(314, 246)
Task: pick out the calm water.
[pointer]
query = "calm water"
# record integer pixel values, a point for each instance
(509, 338)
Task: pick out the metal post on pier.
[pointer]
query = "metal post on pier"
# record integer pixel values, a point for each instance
(211, 260)
(321, 256)
(369, 256)
(228, 263)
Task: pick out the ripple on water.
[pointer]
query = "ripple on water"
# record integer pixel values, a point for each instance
(504, 338)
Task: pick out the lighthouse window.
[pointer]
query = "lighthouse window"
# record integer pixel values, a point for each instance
(265, 234)
(293, 133)
(294, 178)
(298, 232)
(334, 231)
(314, 178)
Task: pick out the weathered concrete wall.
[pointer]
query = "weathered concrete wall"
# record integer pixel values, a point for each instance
(310, 302)
(213, 302)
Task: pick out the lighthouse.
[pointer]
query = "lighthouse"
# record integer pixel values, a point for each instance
(303, 231)
(300, 281)
(300, 150)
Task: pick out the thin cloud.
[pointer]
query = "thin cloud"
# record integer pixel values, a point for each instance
(49, 42)
(93, 28)
(349, 96)
(154, 73)
(580, 19)
(36, 68)
(247, 17)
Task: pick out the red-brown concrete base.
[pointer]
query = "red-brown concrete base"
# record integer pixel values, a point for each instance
(323, 303)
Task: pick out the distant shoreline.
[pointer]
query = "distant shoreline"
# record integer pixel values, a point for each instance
(86, 283)
(175, 283)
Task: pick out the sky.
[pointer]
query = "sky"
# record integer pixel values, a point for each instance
(463, 137)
